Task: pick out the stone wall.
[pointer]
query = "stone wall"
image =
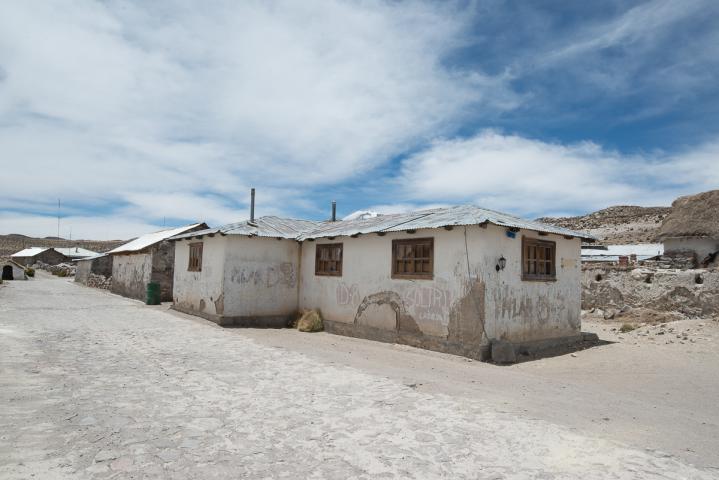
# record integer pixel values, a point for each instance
(690, 292)
(163, 263)
(99, 266)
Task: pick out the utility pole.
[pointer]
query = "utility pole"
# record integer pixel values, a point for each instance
(58, 218)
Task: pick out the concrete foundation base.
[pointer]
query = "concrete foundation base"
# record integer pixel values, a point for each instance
(523, 350)
(267, 321)
(437, 344)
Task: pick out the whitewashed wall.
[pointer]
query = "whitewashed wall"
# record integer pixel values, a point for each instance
(261, 276)
(201, 291)
(131, 274)
(513, 309)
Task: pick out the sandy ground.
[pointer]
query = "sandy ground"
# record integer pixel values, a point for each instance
(97, 386)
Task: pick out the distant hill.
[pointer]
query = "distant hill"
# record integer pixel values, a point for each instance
(617, 225)
(15, 242)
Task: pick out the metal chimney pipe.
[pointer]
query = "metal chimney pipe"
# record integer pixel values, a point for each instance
(334, 211)
(252, 206)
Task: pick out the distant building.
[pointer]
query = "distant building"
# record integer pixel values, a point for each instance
(11, 270)
(453, 279)
(149, 258)
(692, 228)
(33, 255)
(611, 253)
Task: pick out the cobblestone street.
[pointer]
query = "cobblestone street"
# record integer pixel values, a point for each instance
(93, 385)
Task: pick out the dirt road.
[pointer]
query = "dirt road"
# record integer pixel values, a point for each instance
(97, 386)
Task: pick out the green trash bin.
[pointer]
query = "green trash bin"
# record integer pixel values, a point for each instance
(153, 294)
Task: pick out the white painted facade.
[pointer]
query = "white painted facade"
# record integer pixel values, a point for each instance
(512, 309)
(256, 281)
(702, 246)
(244, 280)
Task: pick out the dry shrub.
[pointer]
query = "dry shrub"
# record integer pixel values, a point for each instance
(310, 321)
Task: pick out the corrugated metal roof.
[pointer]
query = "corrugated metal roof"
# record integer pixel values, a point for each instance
(433, 218)
(140, 243)
(274, 227)
(93, 257)
(437, 218)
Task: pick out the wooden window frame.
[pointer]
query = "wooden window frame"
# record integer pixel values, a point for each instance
(194, 261)
(319, 270)
(413, 241)
(528, 242)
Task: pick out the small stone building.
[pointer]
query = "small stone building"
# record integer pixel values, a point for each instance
(451, 279)
(33, 255)
(12, 270)
(149, 258)
(691, 230)
(100, 264)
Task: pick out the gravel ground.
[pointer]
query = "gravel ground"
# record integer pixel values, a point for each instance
(97, 386)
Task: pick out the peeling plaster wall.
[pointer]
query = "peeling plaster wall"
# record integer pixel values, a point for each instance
(456, 306)
(202, 291)
(131, 274)
(260, 278)
(701, 246)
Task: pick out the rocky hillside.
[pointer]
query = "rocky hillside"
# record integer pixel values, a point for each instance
(617, 225)
(12, 243)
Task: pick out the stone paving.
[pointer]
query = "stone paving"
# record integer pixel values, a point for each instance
(97, 386)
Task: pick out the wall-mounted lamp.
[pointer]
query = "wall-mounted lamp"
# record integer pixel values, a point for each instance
(501, 263)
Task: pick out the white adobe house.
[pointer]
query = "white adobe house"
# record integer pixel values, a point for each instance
(448, 279)
(149, 258)
(11, 270)
(692, 228)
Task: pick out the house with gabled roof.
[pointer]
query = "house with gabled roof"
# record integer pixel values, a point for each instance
(148, 258)
(455, 279)
(31, 256)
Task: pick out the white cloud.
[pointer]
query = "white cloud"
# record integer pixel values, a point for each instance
(121, 101)
(532, 177)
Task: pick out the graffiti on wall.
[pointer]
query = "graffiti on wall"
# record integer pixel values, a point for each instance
(282, 274)
(347, 294)
(430, 303)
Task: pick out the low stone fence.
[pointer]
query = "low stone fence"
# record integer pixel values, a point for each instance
(61, 270)
(693, 292)
(99, 281)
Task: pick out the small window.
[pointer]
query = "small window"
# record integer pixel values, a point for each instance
(413, 258)
(195, 263)
(328, 259)
(538, 259)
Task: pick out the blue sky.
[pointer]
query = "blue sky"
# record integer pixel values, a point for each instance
(139, 114)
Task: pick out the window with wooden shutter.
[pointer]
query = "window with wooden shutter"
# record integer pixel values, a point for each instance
(195, 263)
(328, 259)
(538, 259)
(413, 258)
